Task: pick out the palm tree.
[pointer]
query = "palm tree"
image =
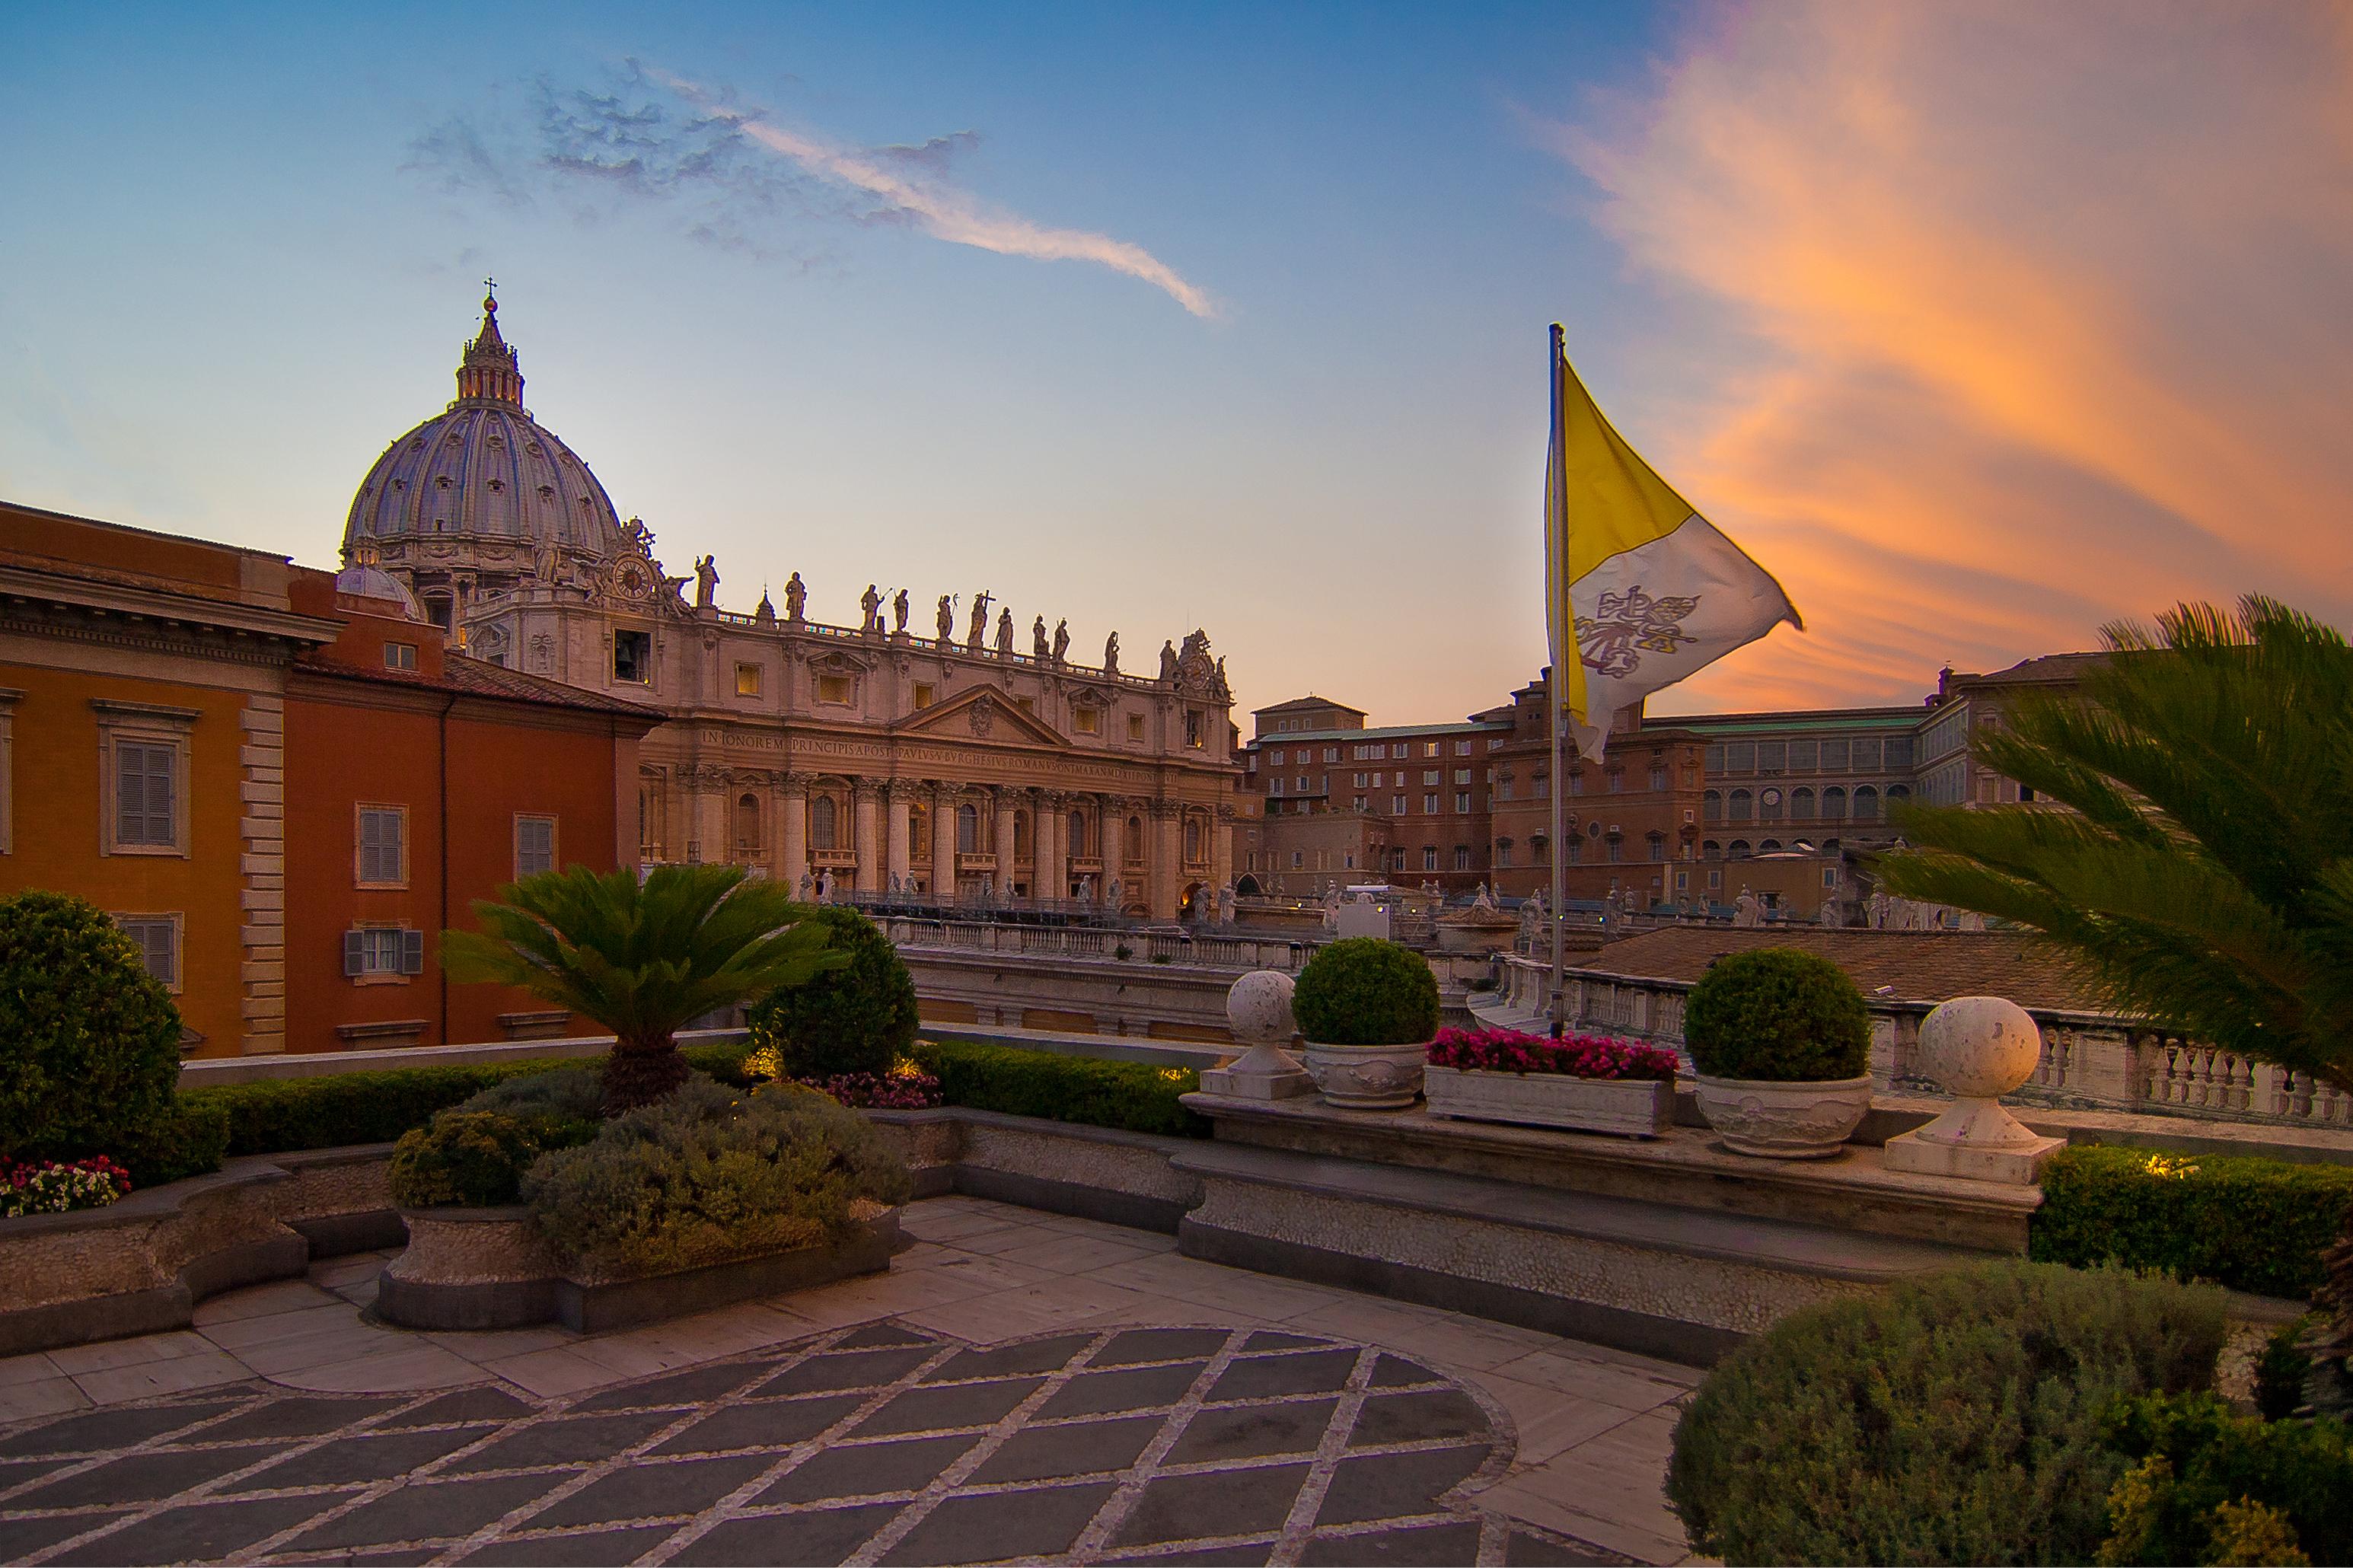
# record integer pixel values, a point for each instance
(2203, 874)
(644, 959)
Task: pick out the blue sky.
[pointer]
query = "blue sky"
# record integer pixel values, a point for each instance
(248, 244)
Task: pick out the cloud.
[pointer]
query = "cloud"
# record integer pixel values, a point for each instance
(736, 172)
(905, 182)
(2049, 316)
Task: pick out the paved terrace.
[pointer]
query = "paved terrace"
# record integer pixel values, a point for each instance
(1019, 1386)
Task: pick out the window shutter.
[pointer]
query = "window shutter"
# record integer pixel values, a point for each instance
(130, 795)
(159, 824)
(354, 955)
(412, 952)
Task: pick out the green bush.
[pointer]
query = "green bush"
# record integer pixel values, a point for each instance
(1956, 1418)
(277, 1115)
(857, 1019)
(89, 1042)
(709, 1176)
(723, 1061)
(2283, 1367)
(475, 1158)
(1363, 991)
(1779, 1015)
(2250, 1224)
(1137, 1097)
(187, 1139)
(2208, 1480)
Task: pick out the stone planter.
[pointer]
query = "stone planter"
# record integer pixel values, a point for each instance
(1638, 1108)
(1784, 1120)
(488, 1269)
(1367, 1078)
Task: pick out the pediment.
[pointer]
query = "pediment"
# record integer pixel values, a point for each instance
(984, 713)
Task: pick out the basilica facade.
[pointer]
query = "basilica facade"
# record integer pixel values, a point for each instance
(939, 762)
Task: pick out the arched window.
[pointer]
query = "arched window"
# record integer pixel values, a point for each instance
(918, 832)
(1192, 841)
(1712, 806)
(1541, 848)
(1768, 847)
(645, 822)
(1658, 843)
(748, 823)
(1136, 841)
(1866, 804)
(1901, 792)
(437, 610)
(1712, 849)
(967, 830)
(1801, 805)
(1742, 805)
(1739, 850)
(825, 826)
(1078, 834)
(1833, 804)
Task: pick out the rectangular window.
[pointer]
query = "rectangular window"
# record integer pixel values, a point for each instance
(1463, 856)
(1331, 753)
(1274, 760)
(1577, 851)
(146, 787)
(1461, 800)
(1801, 756)
(833, 689)
(380, 951)
(1360, 781)
(925, 694)
(1461, 748)
(1399, 750)
(1503, 853)
(1617, 849)
(1576, 782)
(1740, 757)
(1087, 720)
(1274, 786)
(1658, 775)
(1834, 754)
(534, 846)
(1616, 780)
(1430, 806)
(400, 656)
(1356, 802)
(1866, 754)
(383, 860)
(1301, 784)
(1397, 805)
(1772, 756)
(1348, 861)
(1429, 857)
(1295, 859)
(157, 938)
(1503, 790)
(1135, 728)
(1430, 748)
(633, 657)
(747, 680)
(1463, 775)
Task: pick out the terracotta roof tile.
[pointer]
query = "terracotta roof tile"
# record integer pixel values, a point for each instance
(1920, 966)
(480, 678)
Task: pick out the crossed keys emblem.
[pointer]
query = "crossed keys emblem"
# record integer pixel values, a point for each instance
(1624, 626)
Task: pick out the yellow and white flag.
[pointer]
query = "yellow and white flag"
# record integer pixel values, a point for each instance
(1642, 591)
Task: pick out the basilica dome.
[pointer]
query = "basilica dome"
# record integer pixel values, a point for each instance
(482, 472)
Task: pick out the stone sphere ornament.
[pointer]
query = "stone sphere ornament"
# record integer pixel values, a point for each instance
(1980, 1046)
(1258, 1008)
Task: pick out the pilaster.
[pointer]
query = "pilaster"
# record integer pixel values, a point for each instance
(261, 832)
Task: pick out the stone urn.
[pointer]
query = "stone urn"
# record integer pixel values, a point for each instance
(1799, 1120)
(1980, 1048)
(1367, 1078)
(1258, 1011)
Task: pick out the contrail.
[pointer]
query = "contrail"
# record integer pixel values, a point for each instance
(952, 214)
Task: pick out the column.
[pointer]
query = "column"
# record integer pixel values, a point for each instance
(792, 830)
(1163, 847)
(866, 809)
(900, 795)
(1221, 848)
(710, 816)
(943, 842)
(1050, 882)
(1006, 802)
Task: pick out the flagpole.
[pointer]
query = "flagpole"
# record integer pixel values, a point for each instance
(1555, 482)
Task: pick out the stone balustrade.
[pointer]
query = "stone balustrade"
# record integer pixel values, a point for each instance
(2090, 1061)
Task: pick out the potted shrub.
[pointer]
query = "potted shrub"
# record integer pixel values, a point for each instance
(1367, 1009)
(1782, 1042)
(1582, 1081)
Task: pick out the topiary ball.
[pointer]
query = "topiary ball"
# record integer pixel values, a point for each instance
(861, 1018)
(1364, 991)
(89, 1042)
(1778, 1015)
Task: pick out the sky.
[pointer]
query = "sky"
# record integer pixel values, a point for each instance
(1979, 325)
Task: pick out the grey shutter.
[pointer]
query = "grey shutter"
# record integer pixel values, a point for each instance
(412, 952)
(160, 781)
(354, 952)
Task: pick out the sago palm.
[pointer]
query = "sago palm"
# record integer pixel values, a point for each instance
(644, 959)
(2202, 876)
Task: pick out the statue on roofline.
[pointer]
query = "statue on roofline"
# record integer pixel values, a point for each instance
(1004, 634)
(898, 613)
(947, 619)
(1110, 654)
(796, 597)
(1039, 648)
(979, 621)
(1061, 639)
(706, 582)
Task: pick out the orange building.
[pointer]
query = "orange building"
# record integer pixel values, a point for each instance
(272, 776)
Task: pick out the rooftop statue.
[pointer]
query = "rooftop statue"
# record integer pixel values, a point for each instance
(869, 608)
(1061, 640)
(979, 620)
(706, 582)
(947, 619)
(796, 597)
(1110, 654)
(1004, 634)
(899, 613)
(1038, 644)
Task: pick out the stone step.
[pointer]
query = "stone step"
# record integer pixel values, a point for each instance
(1659, 1278)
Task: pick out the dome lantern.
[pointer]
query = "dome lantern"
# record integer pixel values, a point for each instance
(488, 372)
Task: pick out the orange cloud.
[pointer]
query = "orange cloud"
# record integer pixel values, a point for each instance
(2052, 310)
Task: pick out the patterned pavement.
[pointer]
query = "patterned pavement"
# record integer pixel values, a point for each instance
(882, 1442)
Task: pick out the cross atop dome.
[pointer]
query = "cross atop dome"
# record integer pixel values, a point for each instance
(489, 371)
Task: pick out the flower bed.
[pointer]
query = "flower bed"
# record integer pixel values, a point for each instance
(56, 1186)
(1584, 1082)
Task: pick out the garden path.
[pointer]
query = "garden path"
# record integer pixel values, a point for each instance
(1019, 1385)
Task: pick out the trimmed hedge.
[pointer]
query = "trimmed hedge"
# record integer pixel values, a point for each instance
(2250, 1223)
(1959, 1417)
(1136, 1097)
(1778, 1015)
(1364, 991)
(858, 1019)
